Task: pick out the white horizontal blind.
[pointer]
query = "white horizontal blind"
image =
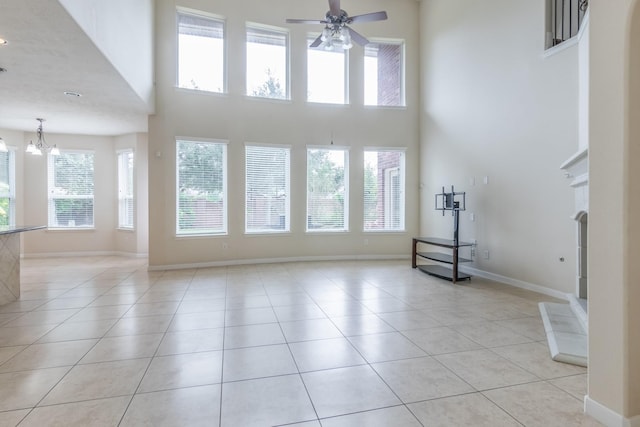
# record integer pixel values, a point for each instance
(384, 195)
(267, 68)
(384, 74)
(267, 189)
(125, 189)
(71, 182)
(200, 53)
(327, 189)
(7, 188)
(201, 187)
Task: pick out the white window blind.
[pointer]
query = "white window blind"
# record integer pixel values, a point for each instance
(267, 189)
(384, 196)
(201, 53)
(125, 189)
(201, 187)
(327, 189)
(326, 75)
(7, 188)
(71, 189)
(267, 62)
(384, 74)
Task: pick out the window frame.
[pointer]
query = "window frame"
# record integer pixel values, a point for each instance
(123, 187)
(51, 196)
(275, 30)
(403, 71)
(346, 97)
(401, 173)
(287, 208)
(211, 17)
(11, 193)
(345, 214)
(224, 230)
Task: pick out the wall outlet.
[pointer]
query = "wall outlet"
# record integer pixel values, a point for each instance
(486, 179)
(366, 242)
(472, 216)
(485, 254)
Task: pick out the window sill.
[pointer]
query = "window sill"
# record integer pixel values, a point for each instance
(126, 230)
(385, 231)
(73, 229)
(267, 233)
(200, 236)
(201, 92)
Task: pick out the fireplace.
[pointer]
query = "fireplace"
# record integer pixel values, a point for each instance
(566, 325)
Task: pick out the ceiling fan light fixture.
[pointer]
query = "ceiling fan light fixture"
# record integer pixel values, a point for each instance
(346, 39)
(326, 34)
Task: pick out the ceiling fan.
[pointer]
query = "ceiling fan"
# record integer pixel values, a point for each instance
(336, 26)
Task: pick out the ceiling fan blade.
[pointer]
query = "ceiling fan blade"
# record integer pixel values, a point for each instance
(357, 37)
(317, 42)
(334, 7)
(305, 21)
(369, 17)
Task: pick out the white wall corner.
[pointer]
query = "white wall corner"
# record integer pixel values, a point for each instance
(607, 416)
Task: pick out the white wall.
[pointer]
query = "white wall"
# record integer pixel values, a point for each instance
(31, 196)
(493, 106)
(135, 241)
(123, 31)
(100, 239)
(614, 183)
(239, 119)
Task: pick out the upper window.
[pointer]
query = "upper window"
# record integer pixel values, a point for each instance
(267, 189)
(384, 74)
(267, 62)
(327, 189)
(201, 187)
(7, 188)
(201, 53)
(125, 189)
(384, 190)
(326, 74)
(71, 190)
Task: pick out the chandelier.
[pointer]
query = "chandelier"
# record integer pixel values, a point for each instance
(40, 146)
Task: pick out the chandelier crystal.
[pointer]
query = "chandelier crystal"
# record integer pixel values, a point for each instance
(41, 145)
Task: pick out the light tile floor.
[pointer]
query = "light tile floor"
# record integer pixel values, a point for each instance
(101, 341)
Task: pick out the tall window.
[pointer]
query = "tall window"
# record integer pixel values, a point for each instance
(326, 75)
(384, 74)
(267, 62)
(327, 189)
(201, 187)
(71, 189)
(384, 190)
(7, 188)
(267, 189)
(125, 189)
(201, 53)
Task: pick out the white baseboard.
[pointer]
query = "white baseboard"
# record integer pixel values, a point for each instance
(514, 282)
(607, 416)
(278, 260)
(82, 254)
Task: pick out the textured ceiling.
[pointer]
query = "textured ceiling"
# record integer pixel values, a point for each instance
(49, 54)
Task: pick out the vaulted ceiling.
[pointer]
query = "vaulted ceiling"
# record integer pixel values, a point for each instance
(48, 54)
